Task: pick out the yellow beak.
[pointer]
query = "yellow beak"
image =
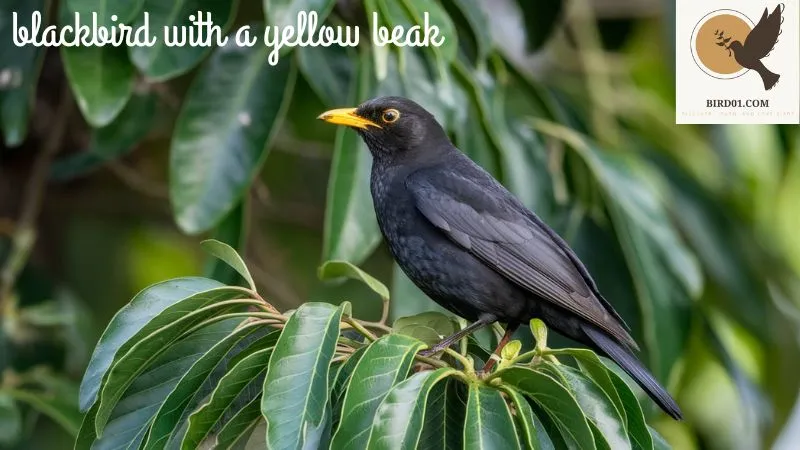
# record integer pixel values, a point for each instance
(347, 117)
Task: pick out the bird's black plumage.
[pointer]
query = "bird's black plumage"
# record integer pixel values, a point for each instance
(471, 245)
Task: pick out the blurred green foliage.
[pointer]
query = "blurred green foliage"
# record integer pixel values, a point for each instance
(690, 231)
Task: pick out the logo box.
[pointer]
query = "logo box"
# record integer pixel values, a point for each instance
(737, 61)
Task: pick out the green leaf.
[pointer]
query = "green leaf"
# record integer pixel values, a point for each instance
(131, 417)
(161, 61)
(429, 327)
(556, 401)
(10, 420)
(339, 385)
(281, 13)
(227, 254)
(636, 425)
(336, 269)
(22, 66)
(478, 21)
(195, 310)
(54, 397)
(591, 365)
(489, 423)
(525, 418)
(385, 363)
(101, 79)
(437, 16)
(232, 230)
(329, 72)
(398, 422)
(445, 410)
(190, 390)
(232, 110)
(351, 229)
(111, 141)
(240, 426)
(296, 405)
(598, 407)
(165, 301)
(229, 388)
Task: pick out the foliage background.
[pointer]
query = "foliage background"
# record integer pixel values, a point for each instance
(690, 231)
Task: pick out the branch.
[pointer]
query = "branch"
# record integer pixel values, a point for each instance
(24, 234)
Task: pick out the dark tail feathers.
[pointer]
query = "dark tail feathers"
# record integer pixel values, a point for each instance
(631, 365)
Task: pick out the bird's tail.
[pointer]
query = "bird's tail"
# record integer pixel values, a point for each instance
(631, 365)
(769, 78)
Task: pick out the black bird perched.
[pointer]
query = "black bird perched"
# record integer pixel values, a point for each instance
(472, 246)
(758, 44)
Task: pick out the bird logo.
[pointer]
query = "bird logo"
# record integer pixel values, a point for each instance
(726, 44)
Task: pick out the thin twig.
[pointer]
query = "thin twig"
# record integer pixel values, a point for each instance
(24, 237)
(137, 182)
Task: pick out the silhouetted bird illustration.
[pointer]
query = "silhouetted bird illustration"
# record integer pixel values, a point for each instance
(472, 246)
(758, 44)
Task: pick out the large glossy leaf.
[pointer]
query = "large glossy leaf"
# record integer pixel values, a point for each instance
(233, 108)
(556, 401)
(489, 423)
(240, 426)
(189, 391)
(340, 380)
(351, 229)
(329, 72)
(281, 13)
(525, 417)
(232, 230)
(598, 407)
(144, 352)
(132, 416)
(161, 61)
(111, 141)
(101, 78)
(295, 406)
(229, 388)
(165, 301)
(443, 422)
(384, 364)
(398, 421)
(338, 269)
(21, 64)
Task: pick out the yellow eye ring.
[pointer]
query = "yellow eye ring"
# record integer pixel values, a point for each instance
(390, 115)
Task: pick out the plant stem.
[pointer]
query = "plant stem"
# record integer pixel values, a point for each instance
(360, 328)
(469, 367)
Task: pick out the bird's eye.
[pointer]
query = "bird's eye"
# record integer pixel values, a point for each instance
(390, 115)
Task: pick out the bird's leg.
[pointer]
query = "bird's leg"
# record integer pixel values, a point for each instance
(510, 329)
(448, 341)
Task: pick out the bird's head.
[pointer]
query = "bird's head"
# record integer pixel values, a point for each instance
(735, 46)
(392, 127)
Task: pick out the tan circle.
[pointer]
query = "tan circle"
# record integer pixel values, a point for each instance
(713, 56)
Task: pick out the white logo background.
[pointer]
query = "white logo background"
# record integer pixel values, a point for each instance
(695, 87)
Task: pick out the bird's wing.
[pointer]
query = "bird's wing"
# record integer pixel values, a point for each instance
(513, 242)
(765, 34)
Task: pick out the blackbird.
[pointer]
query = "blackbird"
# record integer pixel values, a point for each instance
(471, 245)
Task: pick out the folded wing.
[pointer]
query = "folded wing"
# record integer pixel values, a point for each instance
(764, 35)
(511, 241)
